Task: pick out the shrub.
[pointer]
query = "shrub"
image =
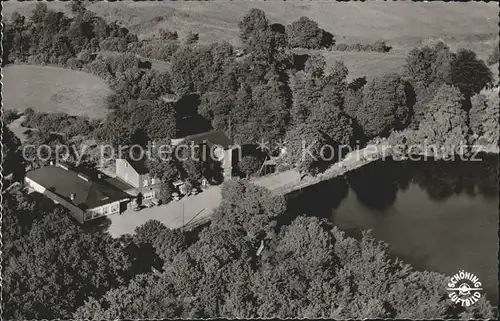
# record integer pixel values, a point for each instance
(493, 57)
(378, 46)
(249, 165)
(9, 115)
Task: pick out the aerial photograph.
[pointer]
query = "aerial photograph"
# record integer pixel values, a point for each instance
(250, 159)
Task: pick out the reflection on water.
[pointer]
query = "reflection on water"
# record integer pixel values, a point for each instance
(435, 215)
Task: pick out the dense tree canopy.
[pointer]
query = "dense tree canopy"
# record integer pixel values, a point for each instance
(386, 105)
(484, 114)
(305, 33)
(254, 21)
(47, 274)
(308, 269)
(446, 122)
(469, 74)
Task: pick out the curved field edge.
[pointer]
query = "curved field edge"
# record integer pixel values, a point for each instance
(53, 89)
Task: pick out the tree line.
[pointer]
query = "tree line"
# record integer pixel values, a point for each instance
(245, 264)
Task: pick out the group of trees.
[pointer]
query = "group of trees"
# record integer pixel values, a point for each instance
(51, 37)
(60, 123)
(162, 46)
(50, 265)
(246, 265)
(448, 104)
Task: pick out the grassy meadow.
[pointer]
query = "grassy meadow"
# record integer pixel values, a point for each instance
(52, 89)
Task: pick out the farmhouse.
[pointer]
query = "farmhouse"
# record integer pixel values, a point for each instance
(136, 179)
(85, 198)
(219, 147)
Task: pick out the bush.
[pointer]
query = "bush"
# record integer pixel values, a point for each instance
(378, 46)
(165, 195)
(9, 115)
(249, 165)
(58, 123)
(493, 57)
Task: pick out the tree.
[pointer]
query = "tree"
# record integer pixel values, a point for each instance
(254, 21)
(39, 13)
(248, 207)
(483, 115)
(470, 74)
(272, 111)
(153, 296)
(166, 242)
(306, 95)
(494, 57)
(216, 107)
(163, 168)
(315, 66)
(166, 191)
(429, 65)
(268, 54)
(446, 121)
(162, 125)
(305, 147)
(305, 33)
(249, 165)
(354, 96)
(168, 35)
(192, 38)
(57, 266)
(12, 160)
(385, 105)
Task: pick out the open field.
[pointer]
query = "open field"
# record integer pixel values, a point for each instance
(471, 24)
(52, 89)
(361, 64)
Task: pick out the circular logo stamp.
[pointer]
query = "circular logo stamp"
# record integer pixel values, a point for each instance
(463, 288)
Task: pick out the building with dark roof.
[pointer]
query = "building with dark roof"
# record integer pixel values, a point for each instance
(220, 147)
(135, 175)
(84, 197)
(216, 137)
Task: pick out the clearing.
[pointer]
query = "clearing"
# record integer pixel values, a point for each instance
(53, 89)
(361, 64)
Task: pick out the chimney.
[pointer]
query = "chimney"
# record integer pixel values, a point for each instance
(72, 196)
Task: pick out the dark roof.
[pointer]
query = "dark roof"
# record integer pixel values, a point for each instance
(139, 166)
(88, 193)
(217, 137)
(120, 184)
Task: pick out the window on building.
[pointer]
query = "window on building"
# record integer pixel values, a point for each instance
(115, 207)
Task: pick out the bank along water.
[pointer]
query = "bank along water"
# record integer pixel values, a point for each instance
(435, 215)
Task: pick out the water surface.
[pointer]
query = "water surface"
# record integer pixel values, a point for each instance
(435, 215)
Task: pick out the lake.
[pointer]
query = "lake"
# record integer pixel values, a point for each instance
(435, 215)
